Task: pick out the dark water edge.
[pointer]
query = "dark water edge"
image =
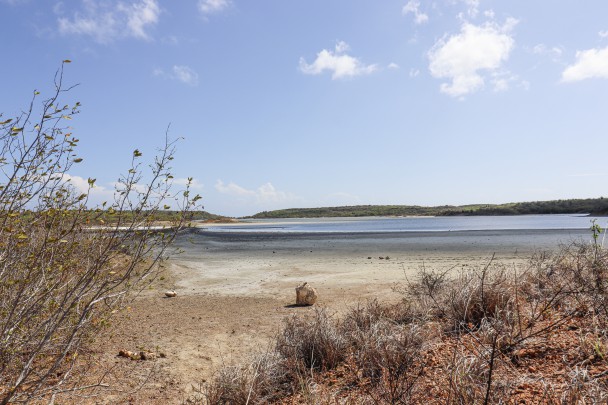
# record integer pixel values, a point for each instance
(521, 242)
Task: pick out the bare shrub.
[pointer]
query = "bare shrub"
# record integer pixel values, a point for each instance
(60, 279)
(577, 269)
(261, 381)
(312, 343)
(468, 377)
(389, 356)
(466, 299)
(584, 389)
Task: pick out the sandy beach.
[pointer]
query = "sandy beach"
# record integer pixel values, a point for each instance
(234, 290)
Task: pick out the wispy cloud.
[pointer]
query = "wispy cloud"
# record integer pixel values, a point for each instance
(182, 182)
(97, 193)
(207, 7)
(467, 57)
(413, 7)
(180, 73)
(472, 7)
(266, 193)
(553, 52)
(340, 64)
(106, 22)
(590, 64)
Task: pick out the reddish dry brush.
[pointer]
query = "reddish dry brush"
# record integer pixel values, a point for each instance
(488, 335)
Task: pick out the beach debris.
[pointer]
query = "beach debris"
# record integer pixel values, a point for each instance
(125, 353)
(129, 354)
(170, 293)
(381, 257)
(305, 295)
(147, 355)
(369, 257)
(142, 355)
(387, 258)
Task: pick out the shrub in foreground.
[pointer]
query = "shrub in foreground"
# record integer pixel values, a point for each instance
(60, 279)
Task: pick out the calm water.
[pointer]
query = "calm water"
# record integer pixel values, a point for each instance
(414, 224)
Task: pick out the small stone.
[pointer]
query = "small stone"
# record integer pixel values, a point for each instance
(369, 257)
(170, 294)
(305, 295)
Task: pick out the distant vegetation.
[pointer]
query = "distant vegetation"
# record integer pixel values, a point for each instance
(158, 216)
(593, 206)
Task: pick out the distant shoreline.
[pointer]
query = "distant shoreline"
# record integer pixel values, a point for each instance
(589, 206)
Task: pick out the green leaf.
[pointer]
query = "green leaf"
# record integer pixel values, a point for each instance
(6, 122)
(137, 153)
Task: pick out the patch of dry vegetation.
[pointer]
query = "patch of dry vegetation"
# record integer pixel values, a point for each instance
(488, 335)
(60, 280)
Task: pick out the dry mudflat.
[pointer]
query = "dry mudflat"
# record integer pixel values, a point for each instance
(233, 292)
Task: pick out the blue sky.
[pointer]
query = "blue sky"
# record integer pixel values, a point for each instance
(319, 103)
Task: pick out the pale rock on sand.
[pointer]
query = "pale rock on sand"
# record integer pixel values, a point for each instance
(306, 295)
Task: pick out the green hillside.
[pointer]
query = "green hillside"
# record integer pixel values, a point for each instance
(593, 206)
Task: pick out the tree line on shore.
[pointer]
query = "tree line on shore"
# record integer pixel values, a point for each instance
(592, 206)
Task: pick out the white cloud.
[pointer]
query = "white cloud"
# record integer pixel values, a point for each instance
(393, 66)
(501, 85)
(213, 6)
(414, 73)
(97, 193)
(185, 75)
(194, 183)
(603, 34)
(140, 15)
(542, 49)
(266, 193)
(338, 62)
(180, 73)
(464, 58)
(108, 21)
(591, 63)
(413, 7)
(472, 7)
